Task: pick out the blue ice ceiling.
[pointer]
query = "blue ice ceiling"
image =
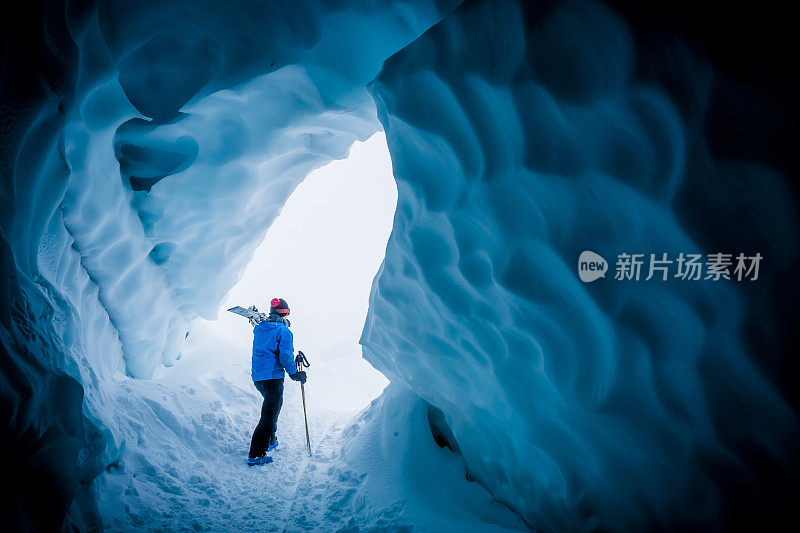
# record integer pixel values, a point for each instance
(148, 146)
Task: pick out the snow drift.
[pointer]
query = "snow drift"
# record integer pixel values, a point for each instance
(151, 144)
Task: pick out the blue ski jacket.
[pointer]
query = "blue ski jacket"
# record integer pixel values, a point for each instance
(273, 351)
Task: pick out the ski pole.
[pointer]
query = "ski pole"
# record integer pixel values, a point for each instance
(301, 363)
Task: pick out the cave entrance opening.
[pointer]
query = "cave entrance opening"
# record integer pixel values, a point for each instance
(321, 255)
(187, 431)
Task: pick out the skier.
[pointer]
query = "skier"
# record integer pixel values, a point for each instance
(273, 354)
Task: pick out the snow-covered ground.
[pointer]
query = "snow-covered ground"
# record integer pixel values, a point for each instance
(187, 435)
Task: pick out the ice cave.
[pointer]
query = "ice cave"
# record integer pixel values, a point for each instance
(486, 377)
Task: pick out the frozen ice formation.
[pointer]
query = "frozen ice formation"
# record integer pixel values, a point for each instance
(149, 145)
(607, 406)
(393, 473)
(209, 133)
(153, 145)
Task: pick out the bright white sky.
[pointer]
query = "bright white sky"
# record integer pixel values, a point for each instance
(321, 255)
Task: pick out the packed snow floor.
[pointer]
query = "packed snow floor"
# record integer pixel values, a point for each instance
(187, 435)
(184, 438)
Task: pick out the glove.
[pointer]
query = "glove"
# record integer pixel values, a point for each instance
(300, 376)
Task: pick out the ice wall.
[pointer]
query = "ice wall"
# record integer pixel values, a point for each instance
(209, 132)
(147, 147)
(521, 135)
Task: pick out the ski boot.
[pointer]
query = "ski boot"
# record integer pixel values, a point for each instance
(259, 461)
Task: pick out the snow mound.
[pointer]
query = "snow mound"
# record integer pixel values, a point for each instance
(393, 473)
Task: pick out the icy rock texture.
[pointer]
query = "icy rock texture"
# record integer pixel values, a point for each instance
(147, 148)
(209, 133)
(519, 137)
(395, 475)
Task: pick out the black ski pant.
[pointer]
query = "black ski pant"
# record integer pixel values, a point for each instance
(272, 391)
